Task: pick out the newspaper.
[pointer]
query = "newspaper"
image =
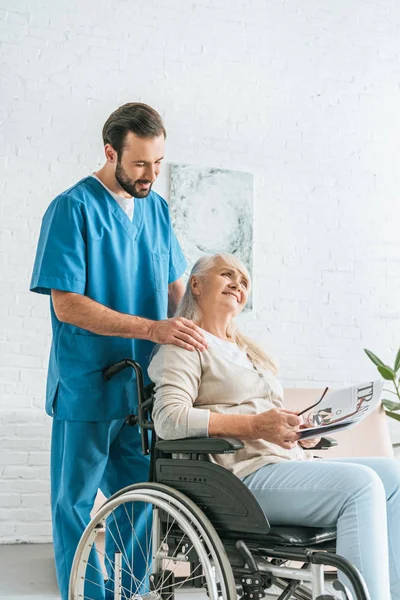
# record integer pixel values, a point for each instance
(342, 409)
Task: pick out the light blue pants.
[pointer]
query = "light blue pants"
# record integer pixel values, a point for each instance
(86, 456)
(360, 496)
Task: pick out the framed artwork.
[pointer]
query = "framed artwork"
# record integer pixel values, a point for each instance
(212, 211)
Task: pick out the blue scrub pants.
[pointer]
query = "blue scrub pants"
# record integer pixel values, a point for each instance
(360, 496)
(86, 456)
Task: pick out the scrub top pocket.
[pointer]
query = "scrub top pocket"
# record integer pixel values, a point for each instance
(82, 359)
(160, 262)
(83, 393)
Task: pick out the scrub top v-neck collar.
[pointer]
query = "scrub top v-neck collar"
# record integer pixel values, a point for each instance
(127, 204)
(131, 227)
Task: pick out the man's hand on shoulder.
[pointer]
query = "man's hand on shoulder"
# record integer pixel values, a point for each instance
(178, 331)
(84, 312)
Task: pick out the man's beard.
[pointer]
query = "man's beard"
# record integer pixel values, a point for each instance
(128, 185)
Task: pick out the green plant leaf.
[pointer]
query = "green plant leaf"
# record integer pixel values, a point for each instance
(393, 415)
(377, 361)
(387, 373)
(397, 362)
(390, 405)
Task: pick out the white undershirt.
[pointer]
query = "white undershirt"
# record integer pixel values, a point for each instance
(230, 351)
(127, 204)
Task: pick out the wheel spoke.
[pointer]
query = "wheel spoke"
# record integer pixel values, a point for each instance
(134, 535)
(101, 586)
(112, 564)
(179, 585)
(130, 572)
(162, 586)
(163, 541)
(124, 554)
(132, 547)
(177, 548)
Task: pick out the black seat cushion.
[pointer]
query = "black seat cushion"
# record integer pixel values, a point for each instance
(299, 536)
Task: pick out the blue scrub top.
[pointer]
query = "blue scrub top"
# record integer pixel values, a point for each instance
(88, 245)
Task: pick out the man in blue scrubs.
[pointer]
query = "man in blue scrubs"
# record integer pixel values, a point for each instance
(109, 259)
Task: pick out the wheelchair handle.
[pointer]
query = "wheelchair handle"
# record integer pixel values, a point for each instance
(112, 370)
(109, 372)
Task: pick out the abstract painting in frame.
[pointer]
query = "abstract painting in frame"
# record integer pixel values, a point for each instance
(212, 211)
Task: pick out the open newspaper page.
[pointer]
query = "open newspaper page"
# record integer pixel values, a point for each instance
(342, 409)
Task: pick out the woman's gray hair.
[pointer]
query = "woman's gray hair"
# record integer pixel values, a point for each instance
(189, 308)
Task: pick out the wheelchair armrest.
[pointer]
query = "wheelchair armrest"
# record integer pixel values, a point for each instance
(325, 443)
(200, 445)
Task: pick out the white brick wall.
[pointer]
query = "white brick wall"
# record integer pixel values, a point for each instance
(305, 94)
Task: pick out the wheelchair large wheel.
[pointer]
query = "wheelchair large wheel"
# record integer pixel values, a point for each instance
(161, 547)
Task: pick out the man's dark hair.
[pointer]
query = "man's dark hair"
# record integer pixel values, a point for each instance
(141, 119)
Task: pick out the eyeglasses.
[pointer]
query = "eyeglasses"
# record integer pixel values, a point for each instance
(318, 420)
(314, 405)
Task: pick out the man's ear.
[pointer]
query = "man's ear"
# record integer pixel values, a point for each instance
(111, 154)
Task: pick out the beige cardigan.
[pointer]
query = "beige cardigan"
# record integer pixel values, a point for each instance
(190, 384)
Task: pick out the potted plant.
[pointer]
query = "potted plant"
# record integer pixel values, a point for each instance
(392, 374)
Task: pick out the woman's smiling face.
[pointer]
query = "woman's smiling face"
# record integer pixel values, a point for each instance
(223, 286)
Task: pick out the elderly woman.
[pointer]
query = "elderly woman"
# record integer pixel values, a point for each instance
(231, 389)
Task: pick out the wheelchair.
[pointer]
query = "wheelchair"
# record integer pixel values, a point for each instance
(202, 532)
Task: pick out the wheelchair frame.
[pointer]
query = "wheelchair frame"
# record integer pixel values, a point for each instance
(258, 553)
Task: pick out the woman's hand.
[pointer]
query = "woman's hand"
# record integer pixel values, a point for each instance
(278, 426)
(309, 442)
